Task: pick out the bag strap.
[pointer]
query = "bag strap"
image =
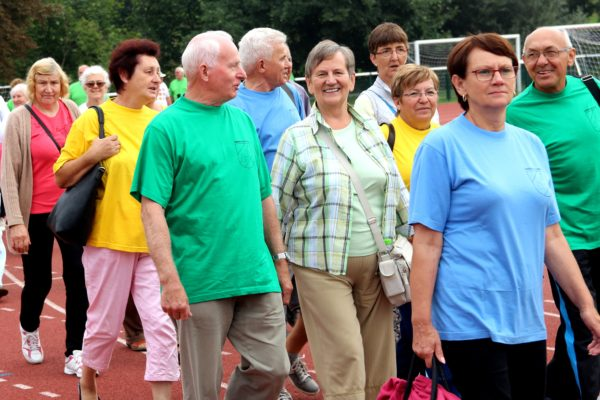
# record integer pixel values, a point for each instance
(39, 120)
(362, 196)
(100, 120)
(391, 136)
(437, 373)
(589, 82)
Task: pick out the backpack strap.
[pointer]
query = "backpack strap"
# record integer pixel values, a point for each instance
(589, 82)
(391, 136)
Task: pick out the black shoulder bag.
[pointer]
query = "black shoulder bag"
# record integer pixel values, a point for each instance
(72, 217)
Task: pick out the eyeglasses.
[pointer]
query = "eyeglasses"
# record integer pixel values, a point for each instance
(486, 74)
(387, 52)
(91, 84)
(549, 54)
(414, 95)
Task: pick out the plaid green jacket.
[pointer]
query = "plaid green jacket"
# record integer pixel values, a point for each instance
(313, 193)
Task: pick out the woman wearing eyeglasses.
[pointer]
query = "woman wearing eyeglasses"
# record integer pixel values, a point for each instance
(95, 82)
(486, 221)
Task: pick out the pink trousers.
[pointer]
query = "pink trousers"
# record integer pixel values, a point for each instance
(109, 277)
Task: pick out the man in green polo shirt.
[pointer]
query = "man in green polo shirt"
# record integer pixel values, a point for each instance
(76, 92)
(178, 85)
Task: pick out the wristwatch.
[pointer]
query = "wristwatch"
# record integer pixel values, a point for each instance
(281, 256)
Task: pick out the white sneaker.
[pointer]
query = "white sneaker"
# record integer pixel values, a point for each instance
(73, 364)
(31, 346)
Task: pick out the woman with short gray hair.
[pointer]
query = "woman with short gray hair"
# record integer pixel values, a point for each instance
(95, 82)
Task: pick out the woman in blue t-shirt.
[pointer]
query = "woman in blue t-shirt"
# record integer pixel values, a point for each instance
(486, 221)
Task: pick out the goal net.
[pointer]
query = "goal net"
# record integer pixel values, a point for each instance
(433, 53)
(585, 38)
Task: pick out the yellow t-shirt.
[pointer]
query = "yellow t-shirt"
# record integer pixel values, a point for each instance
(406, 143)
(118, 222)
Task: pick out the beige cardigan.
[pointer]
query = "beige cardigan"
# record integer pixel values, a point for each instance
(16, 178)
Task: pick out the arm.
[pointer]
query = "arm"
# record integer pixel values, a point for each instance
(427, 249)
(72, 171)
(174, 300)
(563, 267)
(275, 244)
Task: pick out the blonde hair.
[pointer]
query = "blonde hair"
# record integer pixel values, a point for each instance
(46, 66)
(410, 75)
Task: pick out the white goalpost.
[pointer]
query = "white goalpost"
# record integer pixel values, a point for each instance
(585, 38)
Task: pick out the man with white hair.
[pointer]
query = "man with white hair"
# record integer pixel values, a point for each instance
(76, 91)
(562, 112)
(271, 104)
(212, 229)
(265, 58)
(178, 85)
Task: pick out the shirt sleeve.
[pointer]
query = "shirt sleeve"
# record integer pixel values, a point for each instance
(363, 106)
(154, 172)
(285, 174)
(431, 188)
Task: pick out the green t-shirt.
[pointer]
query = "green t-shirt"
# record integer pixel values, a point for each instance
(77, 94)
(10, 104)
(205, 166)
(568, 123)
(177, 88)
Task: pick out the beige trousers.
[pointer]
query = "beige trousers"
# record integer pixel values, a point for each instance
(255, 326)
(348, 321)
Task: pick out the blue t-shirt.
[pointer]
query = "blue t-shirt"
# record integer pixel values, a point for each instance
(272, 113)
(491, 195)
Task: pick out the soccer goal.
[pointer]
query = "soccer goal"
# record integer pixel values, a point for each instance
(434, 54)
(585, 38)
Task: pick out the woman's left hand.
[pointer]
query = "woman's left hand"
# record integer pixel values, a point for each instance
(19, 238)
(591, 319)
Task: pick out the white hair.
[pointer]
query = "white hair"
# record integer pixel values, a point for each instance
(203, 49)
(258, 44)
(21, 87)
(93, 70)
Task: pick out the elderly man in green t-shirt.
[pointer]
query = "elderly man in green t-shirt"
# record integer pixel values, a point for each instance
(212, 230)
(561, 111)
(178, 85)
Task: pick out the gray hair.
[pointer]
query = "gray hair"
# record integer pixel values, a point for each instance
(324, 50)
(258, 44)
(202, 49)
(21, 87)
(94, 70)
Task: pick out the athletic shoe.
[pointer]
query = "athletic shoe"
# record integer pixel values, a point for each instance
(73, 364)
(284, 395)
(31, 346)
(301, 378)
(3, 292)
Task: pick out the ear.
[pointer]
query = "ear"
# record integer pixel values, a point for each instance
(123, 76)
(352, 81)
(203, 72)
(260, 66)
(373, 59)
(309, 86)
(458, 83)
(571, 57)
(397, 102)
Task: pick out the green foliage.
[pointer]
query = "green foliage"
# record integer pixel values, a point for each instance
(76, 32)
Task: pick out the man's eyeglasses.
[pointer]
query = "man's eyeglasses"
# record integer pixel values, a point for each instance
(486, 74)
(414, 95)
(91, 84)
(387, 51)
(550, 54)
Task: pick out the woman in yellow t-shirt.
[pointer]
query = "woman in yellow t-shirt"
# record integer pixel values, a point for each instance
(415, 94)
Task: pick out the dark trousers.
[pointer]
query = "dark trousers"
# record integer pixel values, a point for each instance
(485, 370)
(37, 269)
(404, 351)
(572, 373)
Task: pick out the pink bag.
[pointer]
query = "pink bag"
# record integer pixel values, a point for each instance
(420, 388)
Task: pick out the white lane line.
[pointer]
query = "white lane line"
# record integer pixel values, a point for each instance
(50, 394)
(46, 317)
(21, 386)
(20, 283)
(549, 301)
(550, 348)
(550, 314)
(223, 385)
(225, 353)
(2, 380)
(7, 309)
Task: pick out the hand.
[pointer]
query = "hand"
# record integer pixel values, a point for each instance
(174, 301)
(19, 238)
(101, 149)
(285, 282)
(426, 342)
(591, 319)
